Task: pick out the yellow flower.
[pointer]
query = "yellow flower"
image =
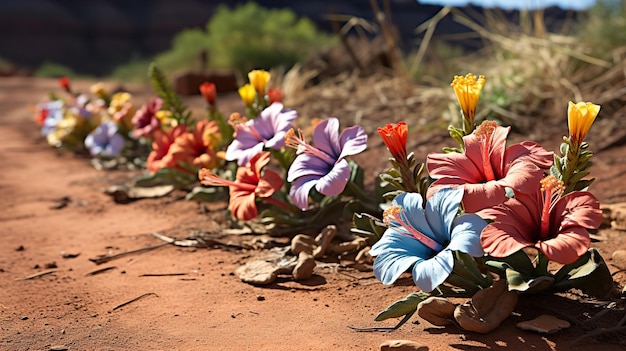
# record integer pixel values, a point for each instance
(247, 94)
(467, 90)
(259, 80)
(99, 90)
(64, 129)
(166, 118)
(580, 117)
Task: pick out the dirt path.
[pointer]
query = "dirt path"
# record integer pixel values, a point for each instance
(206, 307)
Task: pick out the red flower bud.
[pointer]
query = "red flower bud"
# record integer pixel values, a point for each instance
(65, 84)
(208, 91)
(275, 95)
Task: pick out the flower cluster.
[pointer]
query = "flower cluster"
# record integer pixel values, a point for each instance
(488, 211)
(98, 122)
(280, 175)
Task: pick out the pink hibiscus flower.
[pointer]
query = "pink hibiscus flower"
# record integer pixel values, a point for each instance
(487, 168)
(556, 225)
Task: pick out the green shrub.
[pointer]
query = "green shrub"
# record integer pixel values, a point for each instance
(53, 70)
(185, 51)
(244, 38)
(605, 28)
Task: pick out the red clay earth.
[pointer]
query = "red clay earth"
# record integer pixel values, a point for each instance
(53, 204)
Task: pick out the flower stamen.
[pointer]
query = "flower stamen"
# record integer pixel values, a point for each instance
(209, 178)
(295, 139)
(552, 188)
(484, 133)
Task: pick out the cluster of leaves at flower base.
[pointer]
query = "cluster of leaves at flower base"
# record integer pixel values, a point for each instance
(484, 209)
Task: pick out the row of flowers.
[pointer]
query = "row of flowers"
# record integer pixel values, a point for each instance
(475, 214)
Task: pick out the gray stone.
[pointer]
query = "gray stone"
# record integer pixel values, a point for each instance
(258, 272)
(618, 259)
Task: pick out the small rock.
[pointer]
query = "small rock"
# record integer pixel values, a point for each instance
(619, 259)
(402, 345)
(302, 242)
(58, 348)
(364, 256)
(323, 240)
(258, 272)
(437, 311)
(544, 324)
(305, 266)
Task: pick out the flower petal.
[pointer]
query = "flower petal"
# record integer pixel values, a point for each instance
(300, 190)
(483, 195)
(567, 246)
(500, 239)
(326, 137)
(334, 182)
(307, 165)
(395, 254)
(243, 148)
(353, 140)
(441, 209)
(465, 235)
(578, 208)
(242, 205)
(429, 274)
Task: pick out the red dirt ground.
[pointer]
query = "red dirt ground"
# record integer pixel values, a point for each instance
(208, 308)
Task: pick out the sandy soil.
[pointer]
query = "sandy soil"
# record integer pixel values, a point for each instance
(202, 304)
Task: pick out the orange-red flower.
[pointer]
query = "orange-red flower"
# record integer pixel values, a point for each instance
(64, 82)
(275, 95)
(160, 157)
(395, 136)
(209, 92)
(251, 182)
(197, 148)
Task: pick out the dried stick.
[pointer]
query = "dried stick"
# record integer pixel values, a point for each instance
(107, 258)
(37, 275)
(133, 300)
(101, 270)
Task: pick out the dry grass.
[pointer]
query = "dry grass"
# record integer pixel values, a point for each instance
(531, 76)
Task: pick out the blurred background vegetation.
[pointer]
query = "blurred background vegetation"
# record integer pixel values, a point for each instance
(535, 61)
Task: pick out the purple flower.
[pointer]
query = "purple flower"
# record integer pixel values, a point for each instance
(267, 130)
(145, 119)
(323, 165)
(105, 140)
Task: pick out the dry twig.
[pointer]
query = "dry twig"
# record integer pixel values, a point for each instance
(37, 275)
(133, 300)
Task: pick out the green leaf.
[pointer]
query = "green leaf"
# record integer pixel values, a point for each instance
(589, 273)
(523, 283)
(368, 227)
(403, 307)
(519, 261)
(583, 184)
(163, 89)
